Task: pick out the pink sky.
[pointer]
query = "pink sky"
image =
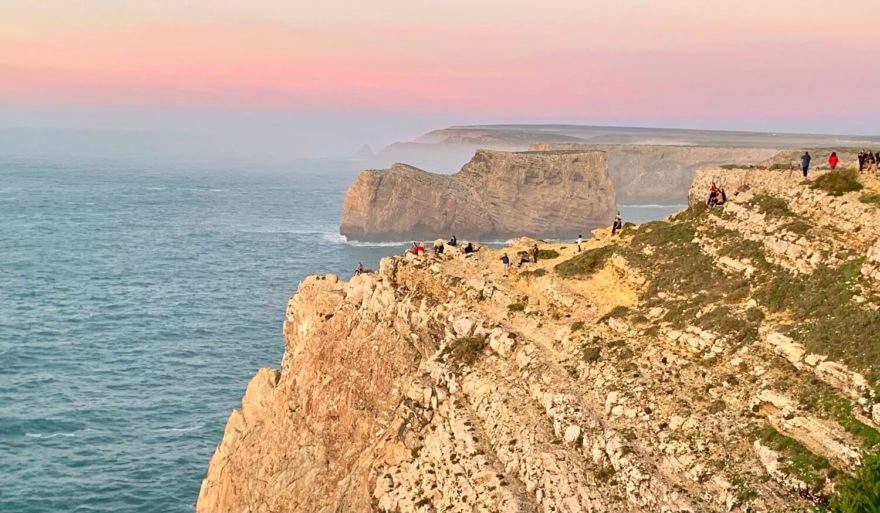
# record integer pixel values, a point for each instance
(727, 63)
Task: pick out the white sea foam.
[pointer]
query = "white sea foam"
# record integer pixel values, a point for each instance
(49, 435)
(653, 206)
(180, 430)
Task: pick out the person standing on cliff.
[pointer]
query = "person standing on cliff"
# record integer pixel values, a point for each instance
(535, 254)
(618, 224)
(579, 242)
(833, 160)
(505, 262)
(805, 162)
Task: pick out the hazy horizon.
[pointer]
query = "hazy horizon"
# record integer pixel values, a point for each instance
(280, 80)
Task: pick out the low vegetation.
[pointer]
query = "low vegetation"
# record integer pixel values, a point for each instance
(516, 307)
(837, 183)
(585, 263)
(862, 493)
(871, 198)
(807, 466)
(772, 207)
(465, 351)
(547, 254)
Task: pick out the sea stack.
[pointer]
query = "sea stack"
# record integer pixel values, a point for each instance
(497, 195)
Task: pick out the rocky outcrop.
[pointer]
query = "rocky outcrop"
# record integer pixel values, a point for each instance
(497, 195)
(648, 173)
(663, 370)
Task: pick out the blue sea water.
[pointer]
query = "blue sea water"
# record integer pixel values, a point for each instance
(135, 304)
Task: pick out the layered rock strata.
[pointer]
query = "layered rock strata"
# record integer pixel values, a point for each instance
(653, 371)
(497, 195)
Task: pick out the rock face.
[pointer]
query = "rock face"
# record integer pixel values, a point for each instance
(497, 195)
(661, 370)
(662, 173)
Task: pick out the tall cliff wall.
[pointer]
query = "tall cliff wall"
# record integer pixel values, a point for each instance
(495, 195)
(662, 173)
(696, 364)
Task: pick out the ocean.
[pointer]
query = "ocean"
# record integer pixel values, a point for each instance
(135, 304)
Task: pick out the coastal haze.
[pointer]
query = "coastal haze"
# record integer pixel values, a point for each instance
(170, 172)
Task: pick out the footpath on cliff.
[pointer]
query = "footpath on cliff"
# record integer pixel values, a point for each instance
(723, 359)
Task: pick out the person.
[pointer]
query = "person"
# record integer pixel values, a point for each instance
(861, 161)
(438, 247)
(417, 248)
(505, 262)
(713, 195)
(523, 258)
(469, 248)
(580, 241)
(618, 224)
(723, 196)
(360, 269)
(535, 253)
(833, 160)
(805, 162)
(453, 241)
(871, 162)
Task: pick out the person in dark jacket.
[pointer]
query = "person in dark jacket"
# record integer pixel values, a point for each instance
(805, 162)
(861, 161)
(505, 262)
(535, 254)
(618, 224)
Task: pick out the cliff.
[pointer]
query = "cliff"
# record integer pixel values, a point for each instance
(645, 174)
(497, 195)
(720, 360)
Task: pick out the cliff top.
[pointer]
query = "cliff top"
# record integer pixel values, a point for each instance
(723, 359)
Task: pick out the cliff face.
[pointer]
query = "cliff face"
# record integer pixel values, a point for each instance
(662, 173)
(495, 195)
(722, 360)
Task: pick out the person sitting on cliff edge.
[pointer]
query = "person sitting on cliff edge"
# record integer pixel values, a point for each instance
(453, 241)
(469, 249)
(360, 269)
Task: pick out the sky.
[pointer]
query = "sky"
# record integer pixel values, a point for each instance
(322, 78)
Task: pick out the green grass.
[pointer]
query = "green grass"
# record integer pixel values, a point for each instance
(771, 206)
(837, 183)
(798, 226)
(822, 398)
(862, 493)
(871, 198)
(585, 263)
(807, 466)
(536, 273)
(725, 322)
(826, 319)
(744, 492)
(547, 254)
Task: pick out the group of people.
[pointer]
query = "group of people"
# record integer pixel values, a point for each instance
(717, 196)
(869, 161)
(524, 257)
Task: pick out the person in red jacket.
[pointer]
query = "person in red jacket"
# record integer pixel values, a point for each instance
(833, 160)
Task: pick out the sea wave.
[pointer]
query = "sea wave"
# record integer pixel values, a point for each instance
(48, 435)
(180, 430)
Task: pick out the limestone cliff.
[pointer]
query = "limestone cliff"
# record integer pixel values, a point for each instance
(497, 195)
(662, 173)
(721, 360)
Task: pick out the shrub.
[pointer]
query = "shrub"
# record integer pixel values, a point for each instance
(837, 183)
(577, 326)
(465, 351)
(590, 354)
(516, 307)
(617, 311)
(585, 263)
(871, 198)
(809, 467)
(547, 254)
(798, 226)
(771, 206)
(537, 273)
(862, 493)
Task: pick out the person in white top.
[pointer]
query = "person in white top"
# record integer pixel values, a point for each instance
(579, 242)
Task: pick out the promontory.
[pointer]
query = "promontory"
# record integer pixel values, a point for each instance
(497, 195)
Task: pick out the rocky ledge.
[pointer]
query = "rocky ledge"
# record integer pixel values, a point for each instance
(497, 195)
(691, 364)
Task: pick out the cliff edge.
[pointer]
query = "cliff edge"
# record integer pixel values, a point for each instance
(497, 195)
(722, 360)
